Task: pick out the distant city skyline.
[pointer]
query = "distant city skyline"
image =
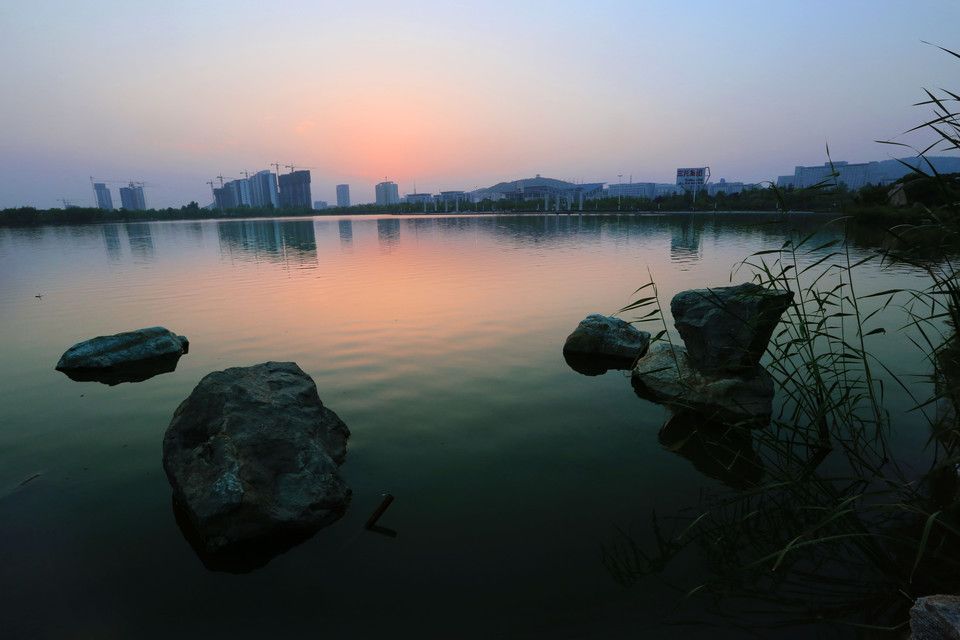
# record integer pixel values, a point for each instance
(453, 99)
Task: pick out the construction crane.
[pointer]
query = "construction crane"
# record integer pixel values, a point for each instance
(139, 183)
(214, 192)
(294, 167)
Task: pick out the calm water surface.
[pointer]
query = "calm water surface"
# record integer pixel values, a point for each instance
(438, 341)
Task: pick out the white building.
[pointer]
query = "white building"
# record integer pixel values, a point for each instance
(729, 188)
(858, 175)
(263, 189)
(450, 200)
(387, 193)
(633, 190)
(665, 190)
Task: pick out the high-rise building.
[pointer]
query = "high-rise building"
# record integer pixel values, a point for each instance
(319, 204)
(388, 193)
(236, 193)
(104, 199)
(343, 195)
(295, 190)
(131, 198)
(263, 189)
(221, 198)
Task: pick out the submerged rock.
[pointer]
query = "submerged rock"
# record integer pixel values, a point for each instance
(611, 340)
(726, 329)
(253, 454)
(132, 356)
(935, 618)
(665, 375)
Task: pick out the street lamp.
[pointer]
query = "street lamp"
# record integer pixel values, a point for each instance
(619, 190)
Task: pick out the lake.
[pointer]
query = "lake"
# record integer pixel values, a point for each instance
(438, 341)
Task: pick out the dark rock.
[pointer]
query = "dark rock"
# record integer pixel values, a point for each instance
(935, 618)
(252, 455)
(726, 329)
(132, 372)
(606, 337)
(124, 357)
(664, 375)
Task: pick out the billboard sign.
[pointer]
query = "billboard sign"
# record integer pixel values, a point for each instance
(692, 178)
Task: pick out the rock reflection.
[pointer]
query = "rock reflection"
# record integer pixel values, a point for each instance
(595, 365)
(718, 450)
(244, 557)
(133, 372)
(288, 241)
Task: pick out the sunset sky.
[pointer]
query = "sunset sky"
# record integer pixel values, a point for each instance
(452, 95)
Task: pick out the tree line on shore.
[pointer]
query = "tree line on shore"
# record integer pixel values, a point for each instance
(872, 202)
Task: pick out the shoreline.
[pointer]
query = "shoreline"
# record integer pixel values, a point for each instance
(158, 217)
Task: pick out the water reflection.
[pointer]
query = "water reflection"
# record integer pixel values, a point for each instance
(388, 233)
(346, 233)
(436, 351)
(141, 241)
(686, 241)
(594, 364)
(242, 557)
(287, 241)
(111, 240)
(717, 450)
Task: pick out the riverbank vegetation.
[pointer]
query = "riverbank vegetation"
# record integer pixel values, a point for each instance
(907, 200)
(828, 517)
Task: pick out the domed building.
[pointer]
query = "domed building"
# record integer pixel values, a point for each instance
(556, 194)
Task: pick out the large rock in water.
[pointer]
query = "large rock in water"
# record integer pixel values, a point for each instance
(124, 357)
(607, 337)
(935, 618)
(726, 329)
(665, 375)
(252, 454)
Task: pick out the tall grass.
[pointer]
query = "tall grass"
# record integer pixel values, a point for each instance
(841, 529)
